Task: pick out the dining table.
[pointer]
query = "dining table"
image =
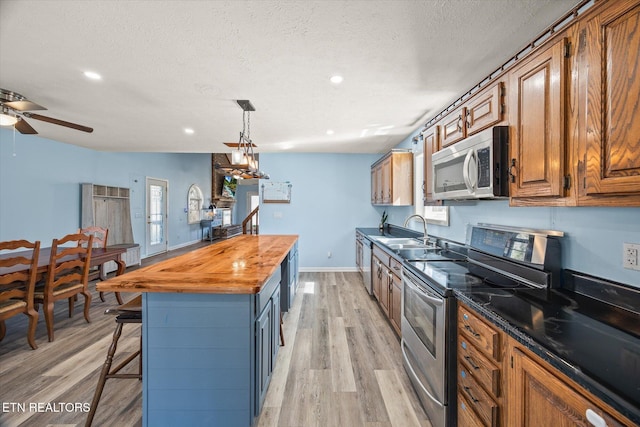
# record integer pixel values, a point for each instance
(99, 257)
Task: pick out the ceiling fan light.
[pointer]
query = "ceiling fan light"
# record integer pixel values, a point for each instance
(7, 120)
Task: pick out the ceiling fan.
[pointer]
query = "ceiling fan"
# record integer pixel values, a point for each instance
(15, 107)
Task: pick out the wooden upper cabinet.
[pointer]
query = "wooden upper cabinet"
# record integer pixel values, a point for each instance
(374, 186)
(485, 109)
(431, 144)
(386, 181)
(392, 179)
(453, 128)
(537, 115)
(609, 157)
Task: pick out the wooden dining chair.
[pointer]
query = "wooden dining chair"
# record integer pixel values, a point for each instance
(100, 237)
(67, 276)
(18, 273)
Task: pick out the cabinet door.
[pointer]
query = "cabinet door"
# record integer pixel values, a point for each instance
(386, 178)
(431, 144)
(275, 327)
(453, 127)
(385, 287)
(263, 353)
(374, 186)
(537, 109)
(395, 306)
(377, 277)
(359, 255)
(485, 109)
(609, 43)
(539, 398)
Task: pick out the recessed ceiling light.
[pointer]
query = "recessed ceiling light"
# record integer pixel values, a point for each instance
(337, 79)
(189, 131)
(330, 132)
(92, 75)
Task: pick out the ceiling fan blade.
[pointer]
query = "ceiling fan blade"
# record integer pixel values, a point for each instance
(58, 122)
(24, 105)
(23, 127)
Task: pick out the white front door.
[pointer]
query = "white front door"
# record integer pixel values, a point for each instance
(157, 206)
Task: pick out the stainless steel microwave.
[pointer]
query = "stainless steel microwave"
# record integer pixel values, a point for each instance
(474, 168)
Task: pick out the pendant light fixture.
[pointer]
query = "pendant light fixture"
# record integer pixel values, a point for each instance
(243, 160)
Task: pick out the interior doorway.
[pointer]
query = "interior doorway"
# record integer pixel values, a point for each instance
(253, 201)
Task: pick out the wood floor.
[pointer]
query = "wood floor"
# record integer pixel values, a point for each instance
(341, 365)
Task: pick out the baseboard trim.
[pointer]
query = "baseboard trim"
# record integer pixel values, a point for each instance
(172, 248)
(328, 269)
(182, 245)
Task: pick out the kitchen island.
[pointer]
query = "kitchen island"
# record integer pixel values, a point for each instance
(210, 330)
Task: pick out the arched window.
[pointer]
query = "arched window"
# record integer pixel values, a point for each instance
(194, 203)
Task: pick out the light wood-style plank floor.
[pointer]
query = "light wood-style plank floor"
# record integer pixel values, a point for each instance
(341, 365)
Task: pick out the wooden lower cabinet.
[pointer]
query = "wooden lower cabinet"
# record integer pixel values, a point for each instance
(540, 397)
(395, 302)
(479, 370)
(387, 285)
(517, 388)
(377, 276)
(466, 416)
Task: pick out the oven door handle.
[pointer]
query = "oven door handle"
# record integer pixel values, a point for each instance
(438, 300)
(404, 354)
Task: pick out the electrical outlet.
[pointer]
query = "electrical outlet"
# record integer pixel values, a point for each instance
(630, 253)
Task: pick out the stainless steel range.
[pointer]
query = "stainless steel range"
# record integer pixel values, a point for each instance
(495, 257)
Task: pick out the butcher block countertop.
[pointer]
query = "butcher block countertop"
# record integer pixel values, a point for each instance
(240, 265)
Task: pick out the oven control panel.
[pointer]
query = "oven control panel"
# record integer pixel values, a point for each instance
(518, 244)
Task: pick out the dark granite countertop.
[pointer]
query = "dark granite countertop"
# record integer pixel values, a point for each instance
(590, 331)
(594, 343)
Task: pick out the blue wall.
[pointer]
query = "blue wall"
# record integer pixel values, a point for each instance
(40, 186)
(329, 198)
(40, 199)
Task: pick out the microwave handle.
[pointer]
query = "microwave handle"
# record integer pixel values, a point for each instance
(471, 186)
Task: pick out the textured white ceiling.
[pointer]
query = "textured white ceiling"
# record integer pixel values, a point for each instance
(167, 65)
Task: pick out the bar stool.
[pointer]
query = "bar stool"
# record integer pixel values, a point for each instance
(129, 312)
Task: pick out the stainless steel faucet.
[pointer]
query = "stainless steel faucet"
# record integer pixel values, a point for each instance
(425, 236)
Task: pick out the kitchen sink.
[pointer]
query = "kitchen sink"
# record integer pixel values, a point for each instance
(397, 243)
(396, 246)
(396, 240)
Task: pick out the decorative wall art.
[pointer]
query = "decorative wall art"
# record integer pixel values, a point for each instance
(276, 192)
